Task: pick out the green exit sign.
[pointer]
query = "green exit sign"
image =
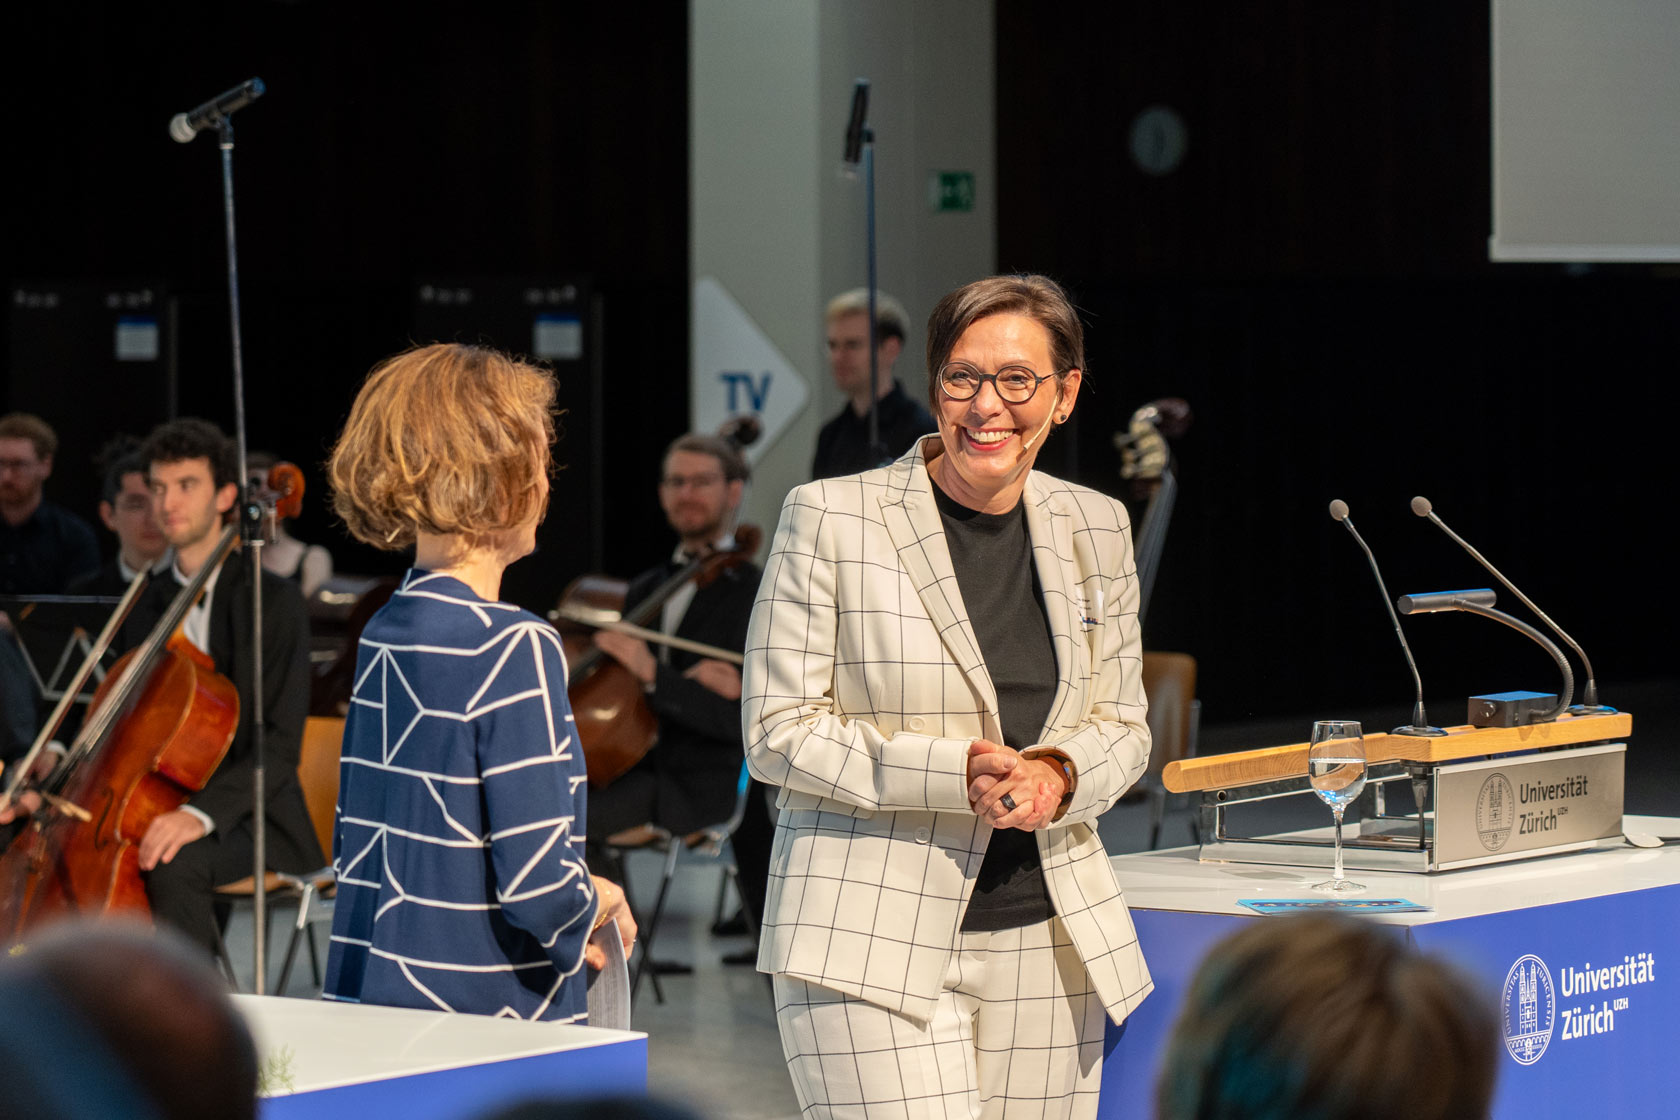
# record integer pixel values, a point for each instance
(951, 192)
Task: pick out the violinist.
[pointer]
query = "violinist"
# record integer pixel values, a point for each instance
(689, 779)
(186, 853)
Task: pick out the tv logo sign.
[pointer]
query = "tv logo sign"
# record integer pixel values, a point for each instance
(737, 369)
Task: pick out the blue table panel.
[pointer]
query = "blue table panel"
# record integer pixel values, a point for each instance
(1622, 1062)
(1173, 943)
(1624, 1065)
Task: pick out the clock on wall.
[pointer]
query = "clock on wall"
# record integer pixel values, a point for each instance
(1158, 140)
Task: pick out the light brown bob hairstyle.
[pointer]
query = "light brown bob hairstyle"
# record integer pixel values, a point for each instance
(446, 439)
(1037, 297)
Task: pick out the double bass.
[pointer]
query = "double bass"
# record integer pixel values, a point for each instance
(1146, 464)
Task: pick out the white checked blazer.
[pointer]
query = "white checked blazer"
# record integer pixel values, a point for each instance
(862, 689)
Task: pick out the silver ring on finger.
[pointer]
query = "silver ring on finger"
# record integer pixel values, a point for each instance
(1007, 802)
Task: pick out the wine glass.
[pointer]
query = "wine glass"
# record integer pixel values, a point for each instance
(1336, 768)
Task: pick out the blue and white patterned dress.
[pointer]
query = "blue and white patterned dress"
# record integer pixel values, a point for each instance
(460, 832)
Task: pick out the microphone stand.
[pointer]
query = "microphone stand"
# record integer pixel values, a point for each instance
(252, 531)
(876, 451)
(860, 146)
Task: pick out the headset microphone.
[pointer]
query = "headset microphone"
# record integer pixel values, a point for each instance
(1027, 446)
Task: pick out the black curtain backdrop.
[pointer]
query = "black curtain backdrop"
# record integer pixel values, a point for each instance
(395, 142)
(1313, 279)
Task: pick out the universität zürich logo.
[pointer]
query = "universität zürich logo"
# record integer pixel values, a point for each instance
(1529, 1008)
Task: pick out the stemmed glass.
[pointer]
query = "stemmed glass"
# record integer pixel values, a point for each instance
(1336, 768)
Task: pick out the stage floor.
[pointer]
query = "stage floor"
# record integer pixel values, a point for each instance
(714, 1046)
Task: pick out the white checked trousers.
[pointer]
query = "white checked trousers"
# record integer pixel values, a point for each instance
(1017, 1033)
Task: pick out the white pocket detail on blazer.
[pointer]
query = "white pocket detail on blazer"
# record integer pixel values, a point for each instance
(1087, 620)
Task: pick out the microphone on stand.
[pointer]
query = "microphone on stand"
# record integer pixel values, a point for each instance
(855, 124)
(1420, 721)
(1480, 601)
(1589, 694)
(184, 126)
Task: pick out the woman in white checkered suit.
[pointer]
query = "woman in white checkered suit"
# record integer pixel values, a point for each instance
(942, 674)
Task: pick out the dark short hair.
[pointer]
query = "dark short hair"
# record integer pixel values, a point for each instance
(138, 1007)
(121, 456)
(176, 441)
(1329, 1017)
(1037, 297)
(26, 425)
(729, 457)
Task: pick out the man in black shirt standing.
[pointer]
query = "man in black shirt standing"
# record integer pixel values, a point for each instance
(843, 444)
(43, 546)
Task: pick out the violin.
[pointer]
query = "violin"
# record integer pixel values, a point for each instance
(614, 723)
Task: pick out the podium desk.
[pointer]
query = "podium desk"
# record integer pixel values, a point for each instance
(327, 1060)
(1535, 935)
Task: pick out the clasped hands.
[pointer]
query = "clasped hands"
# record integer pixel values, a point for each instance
(1033, 785)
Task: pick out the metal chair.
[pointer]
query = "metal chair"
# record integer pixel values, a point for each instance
(709, 845)
(323, 739)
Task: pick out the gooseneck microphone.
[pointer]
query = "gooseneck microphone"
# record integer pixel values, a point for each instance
(1589, 693)
(1420, 721)
(1480, 601)
(184, 126)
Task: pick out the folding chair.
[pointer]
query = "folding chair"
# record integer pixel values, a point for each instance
(323, 739)
(707, 845)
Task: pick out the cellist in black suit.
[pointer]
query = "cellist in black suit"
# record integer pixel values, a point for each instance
(689, 779)
(208, 842)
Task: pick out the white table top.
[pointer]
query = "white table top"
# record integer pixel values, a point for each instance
(1175, 879)
(333, 1044)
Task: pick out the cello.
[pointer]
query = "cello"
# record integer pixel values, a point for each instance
(615, 726)
(160, 723)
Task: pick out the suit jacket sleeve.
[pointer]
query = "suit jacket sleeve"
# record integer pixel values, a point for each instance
(1110, 748)
(531, 764)
(794, 737)
(226, 798)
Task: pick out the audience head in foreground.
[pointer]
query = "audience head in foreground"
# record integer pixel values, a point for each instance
(114, 1020)
(1320, 1017)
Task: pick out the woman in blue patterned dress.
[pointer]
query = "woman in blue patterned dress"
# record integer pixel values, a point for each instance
(459, 843)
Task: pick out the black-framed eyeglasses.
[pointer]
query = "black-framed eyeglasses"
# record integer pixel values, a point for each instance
(1013, 384)
(697, 481)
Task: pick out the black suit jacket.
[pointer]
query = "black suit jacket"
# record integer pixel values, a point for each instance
(699, 731)
(226, 797)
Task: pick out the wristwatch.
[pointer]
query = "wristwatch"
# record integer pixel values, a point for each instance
(1070, 777)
